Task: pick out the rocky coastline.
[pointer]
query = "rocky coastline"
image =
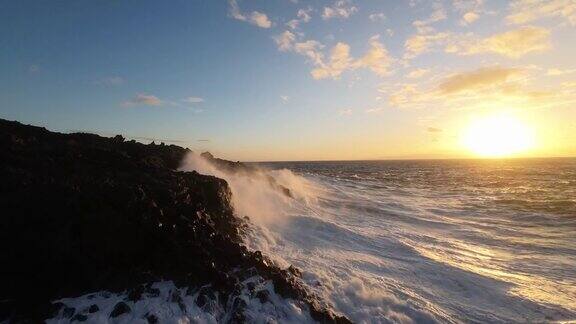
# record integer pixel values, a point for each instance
(81, 213)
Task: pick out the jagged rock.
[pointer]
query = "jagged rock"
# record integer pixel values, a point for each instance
(263, 296)
(176, 298)
(205, 295)
(93, 309)
(55, 308)
(152, 319)
(68, 312)
(238, 307)
(153, 292)
(79, 318)
(119, 309)
(84, 213)
(135, 293)
(295, 271)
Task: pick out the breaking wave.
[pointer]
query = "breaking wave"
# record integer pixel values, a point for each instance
(422, 242)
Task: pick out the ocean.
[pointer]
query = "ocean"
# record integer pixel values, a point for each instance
(425, 241)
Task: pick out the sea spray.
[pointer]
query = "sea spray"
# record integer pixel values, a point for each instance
(257, 193)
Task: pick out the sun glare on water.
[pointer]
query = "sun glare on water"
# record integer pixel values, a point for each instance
(498, 136)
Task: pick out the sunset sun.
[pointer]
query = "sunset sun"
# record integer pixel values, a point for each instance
(498, 136)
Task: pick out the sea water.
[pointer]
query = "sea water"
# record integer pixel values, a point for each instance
(428, 241)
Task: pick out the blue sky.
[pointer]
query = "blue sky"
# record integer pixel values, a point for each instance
(291, 80)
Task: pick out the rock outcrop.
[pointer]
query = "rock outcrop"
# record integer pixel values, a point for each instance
(82, 213)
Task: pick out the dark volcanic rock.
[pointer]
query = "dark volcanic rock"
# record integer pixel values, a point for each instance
(68, 312)
(79, 318)
(93, 309)
(119, 309)
(82, 213)
(152, 319)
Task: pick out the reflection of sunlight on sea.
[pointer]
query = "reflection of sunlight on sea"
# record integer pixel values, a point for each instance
(478, 260)
(437, 240)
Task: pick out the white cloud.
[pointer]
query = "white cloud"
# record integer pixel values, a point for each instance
(478, 89)
(514, 43)
(417, 73)
(423, 26)
(469, 17)
(526, 11)
(374, 110)
(376, 58)
(193, 100)
(466, 5)
(311, 49)
(477, 79)
(345, 112)
(284, 98)
(557, 72)
(285, 41)
(340, 60)
(377, 16)
(143, 99)
(255, 17)
(303, 16)
(341, 9)
(419, 44)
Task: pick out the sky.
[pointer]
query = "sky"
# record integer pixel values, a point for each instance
(265, 80)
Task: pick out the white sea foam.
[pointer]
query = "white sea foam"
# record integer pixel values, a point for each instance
(253, 195)
(166, 310)
(426, 241)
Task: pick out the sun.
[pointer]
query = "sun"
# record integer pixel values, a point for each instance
(498, 136)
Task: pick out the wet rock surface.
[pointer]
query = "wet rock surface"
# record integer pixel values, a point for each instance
(81, 213)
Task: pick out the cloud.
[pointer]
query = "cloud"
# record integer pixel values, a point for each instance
(476, 79)
(514, 43)
(284, 98)
(423, 26)
(466, 5)
(557, 72)
(285, 41)
(469, 17)
(193, 100)
(303, 16)
(377, 16)
(111, 81)
(419, 44)
(376, 58)
(345, 112)
(143, 99)
(340, 60)
(433, 130)
(417, 73)
(479, 89)
(255, 17)
(311, 49)
(374, 110)
(341, 9)
(526, 11)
